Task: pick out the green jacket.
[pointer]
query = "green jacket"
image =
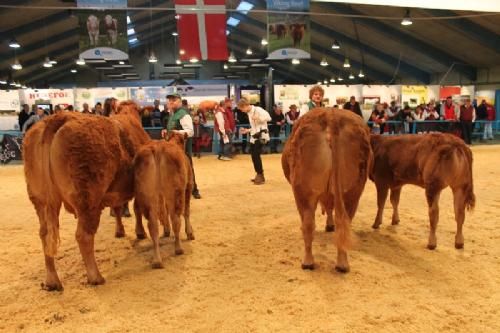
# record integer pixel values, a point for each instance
(311, 105)
(174, 123)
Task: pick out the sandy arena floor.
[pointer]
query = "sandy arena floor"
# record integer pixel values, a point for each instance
(242, 273)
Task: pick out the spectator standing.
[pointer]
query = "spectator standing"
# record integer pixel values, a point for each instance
(419, 116)
(242, 121)
(98, 109)
(86, 108)
(259, 135)
(23, 116)
(222, 126)
(482, 115)
(393, 115)
(316, 95)
(228, 109)
(353, 106)
(277, 122)
(488, 126)
(32, 120)
(467, 118)
(378, 117)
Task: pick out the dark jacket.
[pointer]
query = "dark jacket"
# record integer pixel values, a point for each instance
(354, 108)
(481, 112)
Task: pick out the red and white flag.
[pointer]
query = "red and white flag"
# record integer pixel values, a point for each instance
(202, 29)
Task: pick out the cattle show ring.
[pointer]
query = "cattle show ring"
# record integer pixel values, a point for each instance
(249, 166)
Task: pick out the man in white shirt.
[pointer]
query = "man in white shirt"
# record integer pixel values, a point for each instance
(259, 135)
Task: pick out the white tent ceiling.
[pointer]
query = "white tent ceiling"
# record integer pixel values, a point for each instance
(482, 5)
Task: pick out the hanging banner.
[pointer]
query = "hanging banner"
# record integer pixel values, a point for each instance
(147, 95)
(414, 95)
(9, 100)
(103, 33)
(288, 34)
(95, 95)
(49, 96)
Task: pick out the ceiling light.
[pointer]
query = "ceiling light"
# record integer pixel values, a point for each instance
(152, 58)
(18, 85)
(121, 62)
(263, 41)
(14, 44)
(177, 16)
(3, 81)
(178, 62)
(318, 83)
(340, 78)
(335, 45)
(47, 63)
(181, 51)
(53, 62)
(13, 84)
(351, 76)
(332, 80)
(80, 61)
(24, 87)
(406, 19)
(175, 33)
(226, 66)
(231, 58)
(73, 71)
(295, 61)
(323, 62)
(17, 65)
(361, 74)
(346, 63)
(325, 81)
(193, 60)
(249, 51)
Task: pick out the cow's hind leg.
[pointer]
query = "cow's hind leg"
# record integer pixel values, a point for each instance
(459, 204)
(187, 214)
(432, 194)
(119, 229)
(153, 233)
(176, 225)
(88, 223)
(395, 195)
(307, 227)
(327, 206)
(49, 235)
(139, 228)
(382, 191)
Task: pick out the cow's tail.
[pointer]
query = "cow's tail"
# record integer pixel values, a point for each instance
(342, 237)
(470, 197)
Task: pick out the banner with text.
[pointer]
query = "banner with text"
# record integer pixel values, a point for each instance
(103, 33)
(289, 35)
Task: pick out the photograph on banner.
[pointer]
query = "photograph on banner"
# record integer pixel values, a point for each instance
(486, 95)
(9, 101)
(413, 95)
(103, 33)
(253, 96)
(147, 95)
(289, 35)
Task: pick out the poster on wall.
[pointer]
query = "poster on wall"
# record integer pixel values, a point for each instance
(252, 95)
(103, 33)
(486, 95)
(288, 34)
(147, 95)
(447, 91)
(414, 95)
(52, 96)
(98, 95)
(9, 100)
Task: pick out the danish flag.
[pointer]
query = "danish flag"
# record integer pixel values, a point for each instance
(202, 29)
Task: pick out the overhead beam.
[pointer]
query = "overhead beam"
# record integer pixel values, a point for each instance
(34, 26)
(409, 41)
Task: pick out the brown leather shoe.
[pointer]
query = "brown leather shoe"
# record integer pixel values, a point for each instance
(259, 179)
(253, 179)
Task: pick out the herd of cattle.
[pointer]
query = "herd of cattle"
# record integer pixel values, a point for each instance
(110, 26)
(87, 163)
(296, 32)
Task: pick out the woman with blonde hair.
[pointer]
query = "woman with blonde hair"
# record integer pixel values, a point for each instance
(316, 95)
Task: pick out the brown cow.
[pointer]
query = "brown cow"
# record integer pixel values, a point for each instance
(327, 160)
(281, 31)
(85, 163)
(297, 32)
(434, 162)
(207, 106)
(163, 186)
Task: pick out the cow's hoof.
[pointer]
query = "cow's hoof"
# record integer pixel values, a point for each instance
(342, 269)
(431, 246)
(96, 281)
(157, 265)
(179, 252)
(190, 236)
(52, 286)
(395, 222)
(141, 236)
(329, 228)
(375, 226)
(308, 266)
(459, 246)
(166, 234)
(120, 234)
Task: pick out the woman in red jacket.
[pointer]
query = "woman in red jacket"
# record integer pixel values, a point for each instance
(488, 126)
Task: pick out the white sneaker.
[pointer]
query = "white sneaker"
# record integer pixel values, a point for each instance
(225, 158)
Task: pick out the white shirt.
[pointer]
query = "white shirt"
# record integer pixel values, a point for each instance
(187, 126)
(258, 124)
(220, 121)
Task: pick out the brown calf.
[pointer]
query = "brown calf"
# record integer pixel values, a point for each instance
(432, 161)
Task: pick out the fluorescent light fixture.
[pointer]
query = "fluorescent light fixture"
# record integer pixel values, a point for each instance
(105, 68)
(3, 81)
(73, 71)
(239, 66)
(123, 66)
(340, 78)
(177, 16)
(17, 65)
(406, 19)
(346, 63)
(233, 22)
(226, 66)
(130, 31)
(295, 61)
(133, 40)
(335, 45)
(13, 84)
(318, 83)
(178, 62)
(244, 7)
(181, 51)
(175, 33)
(47, 63)
(323, 62)
(249, 51)
(325, 81)
(152, 58)
(263, 41)
(128, 19)
(259, 65)
(14, 44)
(361, 74)
(53, 62)
(96, 61)
(231, 58)
(24, 87)
(18, 85)
(121, 62)
(351, 76)
(193, 60)
(332, 80)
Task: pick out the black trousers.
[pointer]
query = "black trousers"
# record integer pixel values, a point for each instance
(467, 131)
(275, 133)
(195, 187)
(255, 151)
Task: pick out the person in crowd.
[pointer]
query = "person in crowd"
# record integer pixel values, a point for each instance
(481, 114)
(86, 108)
(277, 122)
(419, 116)
(180, 121)
(449, 112)
(164, 116)
(58, 109)
(40, 114)
(431, 114)
(378, 118)
(70, 108)
(406, 116)
(467, 117)
(110, 105)
(223, 127)
(488, 126)
(392, 115)
(241, 121)
(23, 115)
(292, 115)
(259, 135)
(98, 109)
(33, 109)
(228, 108)
(316, 95)
(146, 117)
(156, 111)
(353, 106)
(197, 136)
